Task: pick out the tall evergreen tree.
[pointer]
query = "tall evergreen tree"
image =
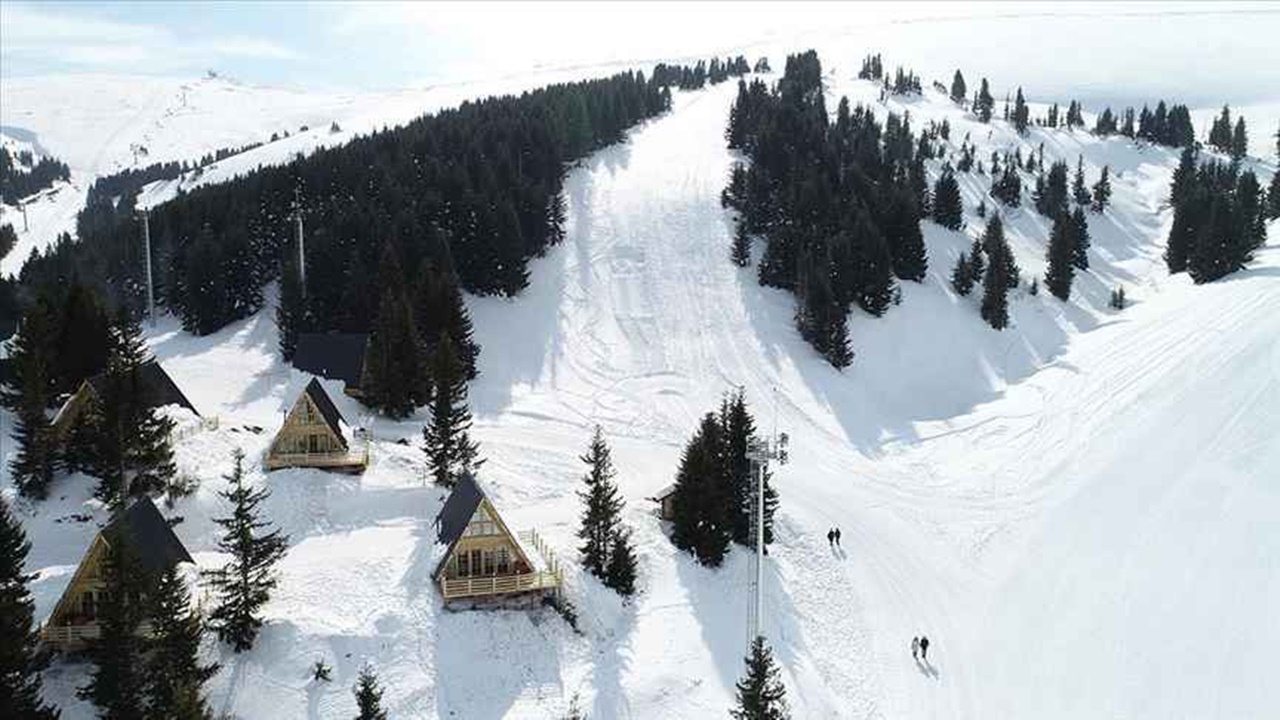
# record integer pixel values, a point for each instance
(1102, 191)
(1080, 238)
(369, 696)
(397, 364)
(33, 466)
(962, 276)
(739, 435)
(174, 675)
(1239, 140)
(761, 694)
(21, 662)
(117, 682)
(700, 521)
(1273, 197)
(995, 284)
(983, 103)
(958, 89)
(903, 236)
(620, 574)
(602, 507)
(1051, 195)
(244, 584)
(741, 252)
(1021, 114)
(1080, 191)
(439, 308)
(1220, 133)
(947, 208)
(133, 451)
(446, 437)
(1060, 256)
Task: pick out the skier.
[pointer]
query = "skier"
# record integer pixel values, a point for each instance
(837, 537)
(831, 537)
(924, 648)
(915, 649)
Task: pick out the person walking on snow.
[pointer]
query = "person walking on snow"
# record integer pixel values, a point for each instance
(837, 537)
(924, 648)
(831, 537)
(915, 649)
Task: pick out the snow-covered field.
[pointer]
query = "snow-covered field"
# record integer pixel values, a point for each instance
(1078, 511)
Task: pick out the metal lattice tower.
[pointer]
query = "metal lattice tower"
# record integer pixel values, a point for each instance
(760, 453)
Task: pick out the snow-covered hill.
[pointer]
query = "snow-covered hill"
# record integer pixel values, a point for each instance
(1077, 510)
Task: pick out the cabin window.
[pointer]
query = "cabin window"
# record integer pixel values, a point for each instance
(504, 561)
(488, 562)
(464, 567)
(476, 563)
(88, 608)
(313, 443)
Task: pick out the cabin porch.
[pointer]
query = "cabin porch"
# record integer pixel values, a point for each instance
(482, 570)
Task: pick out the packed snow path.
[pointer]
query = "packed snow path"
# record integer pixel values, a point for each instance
(1079, 511)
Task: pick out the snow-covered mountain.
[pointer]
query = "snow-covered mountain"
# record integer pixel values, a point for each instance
(1079, 511)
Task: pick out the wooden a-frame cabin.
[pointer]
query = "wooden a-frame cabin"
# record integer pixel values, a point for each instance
(485, 562)
(312, 436)
(150, 540)
(155, 389)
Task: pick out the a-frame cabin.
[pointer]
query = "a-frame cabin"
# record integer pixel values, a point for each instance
(151, 542)
(484, 560)
(155, 389)
(313, 436)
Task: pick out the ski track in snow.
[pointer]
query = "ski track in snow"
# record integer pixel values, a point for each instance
(1076, 511)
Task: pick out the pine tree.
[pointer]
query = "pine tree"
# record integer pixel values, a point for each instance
(446, 438)
(439, 308)
(739, 434)
(903, 236)
(1021, 114)
(1060, 256)
(700, 520)
(1273, 196)
(761, 694)
(958, 90)
(947, 209)
(244, 584)
(1102, 191)
(602, 507)
(397, 361)
(33, 466)
(133, 451)
(117, 682)
(1079, 190)
(995, 284)
(1239, 140)
(620, 574)
(741, 253)
(174, 675)
(369, 696)
(1080, 237)
(1220, 134)
(21, 662)
(983, 103)
(962, 276)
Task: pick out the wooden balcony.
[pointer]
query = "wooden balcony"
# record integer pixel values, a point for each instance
(499, 585)
(354, 460)
(75, 636)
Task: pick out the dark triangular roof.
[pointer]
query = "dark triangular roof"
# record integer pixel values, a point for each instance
(336, 356)
(147, 534)
(457, 512)
(325, 405)
(156, 388)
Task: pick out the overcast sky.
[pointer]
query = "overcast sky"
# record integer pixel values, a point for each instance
(1199, 53)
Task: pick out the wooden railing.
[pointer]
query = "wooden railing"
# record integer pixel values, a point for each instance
(500, 584)
(76, 634)
(357, 457)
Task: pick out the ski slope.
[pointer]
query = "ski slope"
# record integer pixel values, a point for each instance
(1077, 511)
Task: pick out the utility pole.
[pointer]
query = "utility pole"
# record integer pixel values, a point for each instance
(23, 207)
(302, 253)
(146, 241)
(760, 452)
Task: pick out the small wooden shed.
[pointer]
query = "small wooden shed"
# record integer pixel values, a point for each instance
(666, 502)
(484, 560)
(313, 436)
(152, 543)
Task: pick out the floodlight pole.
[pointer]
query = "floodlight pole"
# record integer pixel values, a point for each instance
(146, 242)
